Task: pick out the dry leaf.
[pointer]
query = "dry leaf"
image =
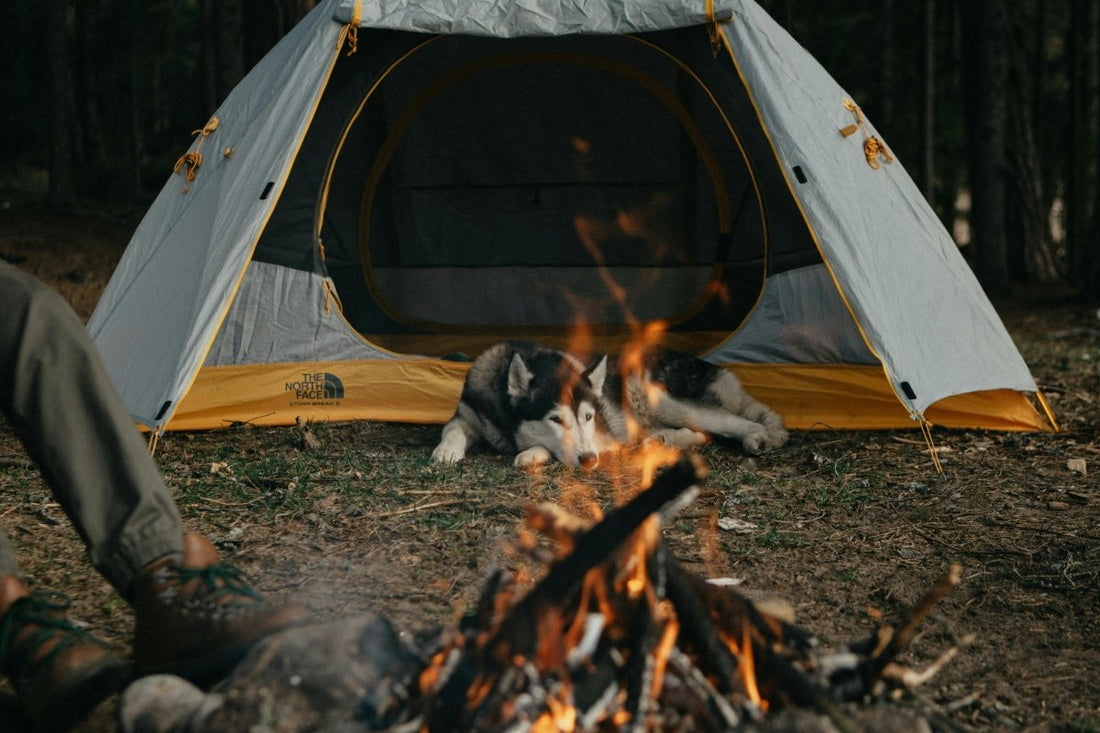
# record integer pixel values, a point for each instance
(740, 526)
(309, 439)
(1078, 465)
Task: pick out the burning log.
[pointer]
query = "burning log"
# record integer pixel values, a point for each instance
(516, 637)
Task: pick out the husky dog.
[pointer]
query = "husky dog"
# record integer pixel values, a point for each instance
(542, 403)
(525, 399)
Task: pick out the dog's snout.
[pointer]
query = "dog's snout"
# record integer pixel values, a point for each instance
(588, 460)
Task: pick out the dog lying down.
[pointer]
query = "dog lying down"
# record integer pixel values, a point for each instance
(541, 403)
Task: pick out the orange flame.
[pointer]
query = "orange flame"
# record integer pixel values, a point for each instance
(746, 665)
(560, 717)
(551, 647)
(429, 678)
(592, 586)
(647, 537)
(664, 647)
(580, 339)
(654, 456)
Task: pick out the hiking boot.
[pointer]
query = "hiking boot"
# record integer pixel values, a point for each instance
(196, 617)
(60, 671)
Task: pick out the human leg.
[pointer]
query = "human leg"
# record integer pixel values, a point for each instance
(60, 401)
(194, 613)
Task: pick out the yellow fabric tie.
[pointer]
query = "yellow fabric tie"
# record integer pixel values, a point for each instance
(154, 438)
(350, 34)
(189, 163)
(712, 29)
(872, 146)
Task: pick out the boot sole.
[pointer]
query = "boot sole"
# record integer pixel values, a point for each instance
(74, 700)
(205, 671)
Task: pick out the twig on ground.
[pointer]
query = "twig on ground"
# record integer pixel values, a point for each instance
(419, 508)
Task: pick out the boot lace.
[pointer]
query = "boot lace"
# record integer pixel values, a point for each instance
(44, 612)
(220, 584)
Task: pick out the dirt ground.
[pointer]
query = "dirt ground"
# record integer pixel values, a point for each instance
(849, 528)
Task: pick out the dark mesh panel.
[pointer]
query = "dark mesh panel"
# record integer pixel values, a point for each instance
(536, 183)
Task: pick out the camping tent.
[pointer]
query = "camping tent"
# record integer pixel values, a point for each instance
(397, 185)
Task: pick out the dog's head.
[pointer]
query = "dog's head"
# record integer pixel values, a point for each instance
(557, 402)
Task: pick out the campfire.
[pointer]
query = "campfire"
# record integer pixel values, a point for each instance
(616, 635)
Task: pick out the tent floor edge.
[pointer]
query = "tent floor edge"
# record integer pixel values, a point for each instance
(417, 390)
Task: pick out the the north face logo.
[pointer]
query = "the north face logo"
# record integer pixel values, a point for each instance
(316, 386)
(334, 388)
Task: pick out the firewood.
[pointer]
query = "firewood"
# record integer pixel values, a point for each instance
(900, 639)
(516, 636)
(715, 658)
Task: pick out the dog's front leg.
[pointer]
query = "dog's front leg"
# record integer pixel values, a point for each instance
(452, 446)
(682, 438)
(533, 457)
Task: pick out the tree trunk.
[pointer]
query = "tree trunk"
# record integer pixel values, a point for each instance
(887, 66)
(208, 63)
(1087, 261)
(59, 35)
(1031, 253)
(134, 70)
(985, 124)
(929, 126)
(93, 146)
(228, 45)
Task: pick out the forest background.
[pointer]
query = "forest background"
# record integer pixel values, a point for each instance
(992, 105)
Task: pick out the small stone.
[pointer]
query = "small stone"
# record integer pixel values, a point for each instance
(161, 703)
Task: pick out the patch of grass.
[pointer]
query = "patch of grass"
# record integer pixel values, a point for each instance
(847, 493)
(1083, 725)
(773, 537)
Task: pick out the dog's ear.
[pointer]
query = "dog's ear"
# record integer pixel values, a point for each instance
(519, 377)
(597, 373)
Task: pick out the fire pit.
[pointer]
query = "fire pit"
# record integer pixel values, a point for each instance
(617, 635)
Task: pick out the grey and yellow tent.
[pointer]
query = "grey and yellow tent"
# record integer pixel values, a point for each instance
(397, 182)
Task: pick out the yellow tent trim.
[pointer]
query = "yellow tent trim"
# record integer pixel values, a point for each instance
(810, 397)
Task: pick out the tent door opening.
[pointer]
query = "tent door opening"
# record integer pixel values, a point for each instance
(523, 188)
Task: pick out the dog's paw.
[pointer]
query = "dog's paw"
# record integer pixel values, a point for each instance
(447, 454)
(777, 438)
(535, 457)
(755, 441)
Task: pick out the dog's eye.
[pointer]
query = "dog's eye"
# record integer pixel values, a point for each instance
(556, 418)
(588, 417)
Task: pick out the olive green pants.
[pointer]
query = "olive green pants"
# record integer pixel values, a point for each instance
(59, 400)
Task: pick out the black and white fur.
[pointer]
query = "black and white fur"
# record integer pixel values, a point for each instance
(683, 400)
(541, 403)
(524, 399)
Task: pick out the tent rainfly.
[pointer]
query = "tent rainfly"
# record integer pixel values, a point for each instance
(395, 186)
